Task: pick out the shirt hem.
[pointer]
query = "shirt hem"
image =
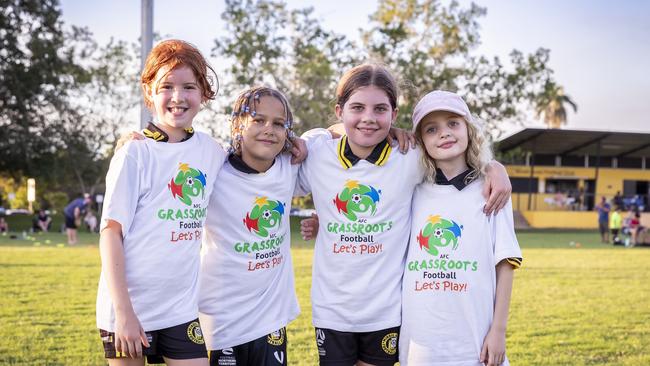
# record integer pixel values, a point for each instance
(149, 327)
(350, 327)
(252, 335)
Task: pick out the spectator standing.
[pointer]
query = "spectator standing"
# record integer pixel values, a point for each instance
(603, 209)
(72, 213)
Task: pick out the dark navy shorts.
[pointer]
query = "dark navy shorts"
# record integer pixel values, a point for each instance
(269, 350)
(346, 348)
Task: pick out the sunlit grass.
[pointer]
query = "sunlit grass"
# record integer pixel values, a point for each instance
(571, 306)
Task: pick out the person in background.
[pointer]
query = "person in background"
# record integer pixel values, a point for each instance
(91, 221)
(615, 225)
(42, 221)
(603, 209)
(4, 227)
(72, 214)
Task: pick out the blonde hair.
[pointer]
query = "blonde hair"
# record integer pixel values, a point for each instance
(477, 156)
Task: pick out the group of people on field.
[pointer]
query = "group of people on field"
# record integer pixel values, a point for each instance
(414, 244)
(626, 231)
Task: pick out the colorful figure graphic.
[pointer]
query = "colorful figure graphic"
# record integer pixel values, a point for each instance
(439, 232)
(357, 199)
(188, 183)
(264, 216)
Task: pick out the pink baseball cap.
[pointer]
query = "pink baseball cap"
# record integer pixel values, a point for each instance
(440, 100)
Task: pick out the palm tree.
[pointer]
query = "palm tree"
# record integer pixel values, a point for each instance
(551, 105)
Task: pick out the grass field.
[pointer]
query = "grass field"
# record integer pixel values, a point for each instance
(585, 305)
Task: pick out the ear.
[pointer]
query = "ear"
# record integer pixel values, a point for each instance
(338, 111)
(148, 93)
(394, 115)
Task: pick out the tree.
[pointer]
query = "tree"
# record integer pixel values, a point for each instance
(430, 46)
(551, 105)
(37, 70)
(267, 43)
(106, 105)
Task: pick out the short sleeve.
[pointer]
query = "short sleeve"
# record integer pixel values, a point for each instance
(504, 239)
(314, 135)
(313, 139)
(122, 189)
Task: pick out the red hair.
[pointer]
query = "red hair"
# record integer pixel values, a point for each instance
(175, 53)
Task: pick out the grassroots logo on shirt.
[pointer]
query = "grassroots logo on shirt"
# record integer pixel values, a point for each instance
(188, 183)
(357, 200)
(439, 232)
(265, 216)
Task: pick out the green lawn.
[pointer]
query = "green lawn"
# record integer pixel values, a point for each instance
(571, 306)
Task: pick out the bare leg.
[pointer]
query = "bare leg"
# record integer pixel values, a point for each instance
(72, 236)
(190, 362)
(126, 361)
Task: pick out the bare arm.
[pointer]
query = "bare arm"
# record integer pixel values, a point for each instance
(497, 188)
(337, 130)
(129, 335)
(494, 345)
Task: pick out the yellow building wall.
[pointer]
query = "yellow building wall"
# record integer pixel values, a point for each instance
(570, 219)
(561, 219)
(609, 181)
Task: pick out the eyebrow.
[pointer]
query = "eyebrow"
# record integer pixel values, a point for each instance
(374, 105)
(265, 116)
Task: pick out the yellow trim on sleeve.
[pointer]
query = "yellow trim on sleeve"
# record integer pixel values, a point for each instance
(514, 262)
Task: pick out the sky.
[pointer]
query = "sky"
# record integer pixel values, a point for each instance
(600, 49)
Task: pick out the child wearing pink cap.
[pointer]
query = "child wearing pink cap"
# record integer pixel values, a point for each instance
(459, 268)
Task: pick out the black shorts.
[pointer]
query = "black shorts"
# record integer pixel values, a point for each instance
(69, 222)
(180, 342)
(345, 348)
(269, 350)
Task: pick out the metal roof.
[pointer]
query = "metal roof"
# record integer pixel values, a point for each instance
(578, 142)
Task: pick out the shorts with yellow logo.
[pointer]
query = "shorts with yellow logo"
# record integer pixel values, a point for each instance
(180, 342)
(269, 350)
(346, 348)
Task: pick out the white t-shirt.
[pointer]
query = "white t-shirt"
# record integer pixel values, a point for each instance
(364, 213)
(158, 192)
(450, 275)
(246, 282)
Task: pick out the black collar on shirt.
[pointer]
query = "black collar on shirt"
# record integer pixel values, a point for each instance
(153, 132)
(458, 181)
(238, 163)
(378, 156)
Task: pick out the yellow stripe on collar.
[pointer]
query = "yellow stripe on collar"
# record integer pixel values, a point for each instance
(155, 135)
(378, 156)
(345, 162)
(385, 153)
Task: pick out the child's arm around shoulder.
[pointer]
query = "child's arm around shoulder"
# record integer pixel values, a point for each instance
(129, 335)
(497, 188)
